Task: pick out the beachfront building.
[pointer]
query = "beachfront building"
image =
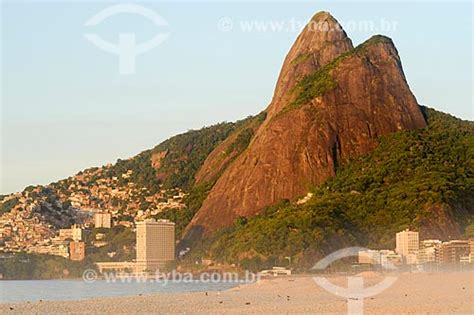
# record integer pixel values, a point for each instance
(389, 259)
(451, 252)
(407, 245)
(102, 220)
(155, 244)
(429, 252)
(386, 258)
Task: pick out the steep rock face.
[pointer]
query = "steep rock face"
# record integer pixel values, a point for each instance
(327, 108)
(322, 40)
(217, 160)
(228, 150)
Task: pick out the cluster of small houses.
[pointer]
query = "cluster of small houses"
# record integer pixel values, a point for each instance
(26, 228)
(70, 242)
(25, 232)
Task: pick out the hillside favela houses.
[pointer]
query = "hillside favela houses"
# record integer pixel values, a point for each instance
(155, 243)
(24, 229)
(45, 219)
(425, 254)
(62, 244)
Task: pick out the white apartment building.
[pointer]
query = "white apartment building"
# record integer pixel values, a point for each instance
(102, 220)
(155, 244)
(407, 245)
(429, 251)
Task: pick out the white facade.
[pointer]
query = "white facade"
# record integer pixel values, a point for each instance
(102, 220)
(428, 251)
(408, 244)
(155, 244)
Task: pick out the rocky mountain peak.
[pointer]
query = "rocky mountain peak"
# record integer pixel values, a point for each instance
(322, 40)
(331, 104)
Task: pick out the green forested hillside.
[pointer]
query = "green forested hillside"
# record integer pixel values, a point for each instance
(422, 179)
(243, 131)
(183, 156)
(185, 153)
(419, 178)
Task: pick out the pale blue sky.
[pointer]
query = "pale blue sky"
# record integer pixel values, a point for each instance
(65, 107)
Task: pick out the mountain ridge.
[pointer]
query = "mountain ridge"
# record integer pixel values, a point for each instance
(326, 109)
(420, 179)
(318, 125)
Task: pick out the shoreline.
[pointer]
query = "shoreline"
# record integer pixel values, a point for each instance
(414, 293)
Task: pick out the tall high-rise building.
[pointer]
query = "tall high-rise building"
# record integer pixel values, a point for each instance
(155, 244)
(408, 244)
(102, 220)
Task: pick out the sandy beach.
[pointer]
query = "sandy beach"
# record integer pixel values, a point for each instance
(419, 293)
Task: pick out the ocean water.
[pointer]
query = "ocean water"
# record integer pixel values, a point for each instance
(50, 290)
